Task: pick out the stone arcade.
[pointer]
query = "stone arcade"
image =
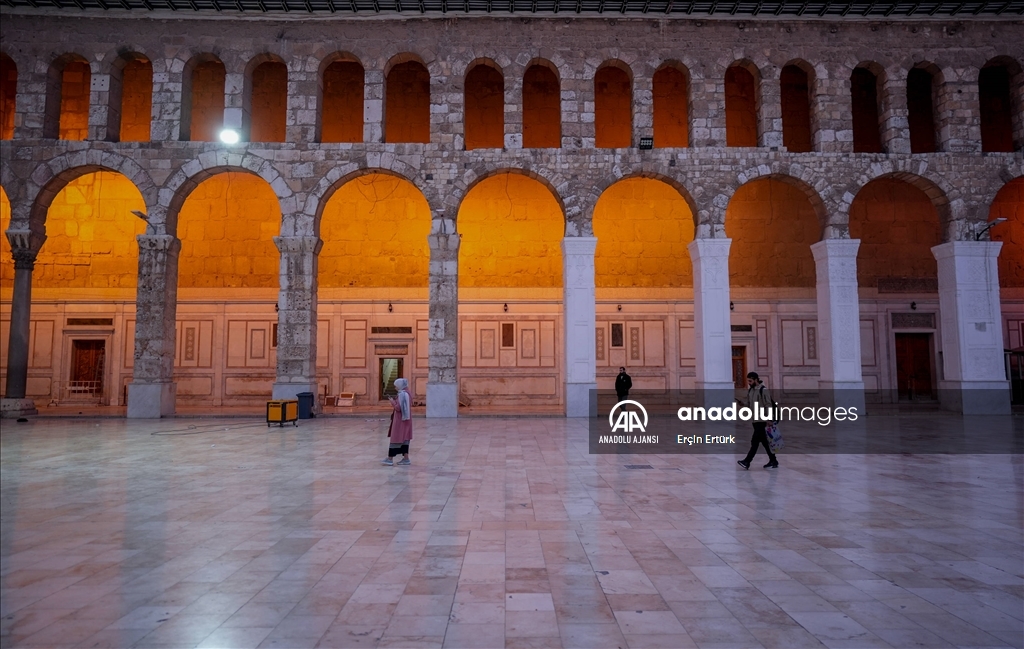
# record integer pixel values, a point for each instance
(464, 200)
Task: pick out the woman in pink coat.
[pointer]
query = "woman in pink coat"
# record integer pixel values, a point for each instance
(401, 425)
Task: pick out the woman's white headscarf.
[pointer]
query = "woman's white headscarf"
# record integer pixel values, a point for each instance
(403, 398)
(402, 384)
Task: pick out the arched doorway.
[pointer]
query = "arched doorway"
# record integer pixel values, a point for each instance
(373, 273)
(898, 225)
(228, 278)
(644, 285)
(510, 280)
(772, 223)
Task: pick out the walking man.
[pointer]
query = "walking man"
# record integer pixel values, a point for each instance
(758, 393)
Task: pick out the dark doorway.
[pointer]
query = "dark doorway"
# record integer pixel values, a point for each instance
(390, 369)
(914, 366)
(739, 366)
(87, 364)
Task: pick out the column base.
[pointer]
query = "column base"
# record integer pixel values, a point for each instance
(581, 399)
(15, 408)
(975, 397)
(442, 400)
(291, 390)
(713, 394)
(151, 400)
(843, 394)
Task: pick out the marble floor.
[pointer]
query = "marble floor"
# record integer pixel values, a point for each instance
(504, 532)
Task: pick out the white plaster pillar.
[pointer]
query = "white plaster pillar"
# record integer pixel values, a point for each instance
(842, 382)
(711, 322)
(580, 315)
(972, 341)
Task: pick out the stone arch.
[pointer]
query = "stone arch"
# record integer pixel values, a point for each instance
(648, 248)
(540, 82)
(554, 182)
(407, 98)
(191, 174)
(191, 120)
(264, 111)
(130, 100)
(798, 81)
(341, 103)
(55, 99)
(1007, 127)
(817, 189)
(338, 176)
(483, 108)
(946, 197)
(652, 172)
(1008, 203)
(743, 103)
(672, 92)
(772, 235)
(49, 178)
(511, 224)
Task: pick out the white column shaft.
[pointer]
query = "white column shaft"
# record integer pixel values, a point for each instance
(711, 323)
(580, 322)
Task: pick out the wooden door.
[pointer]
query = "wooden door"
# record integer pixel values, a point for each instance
(914, 366)
(739, 367)
(87, 364)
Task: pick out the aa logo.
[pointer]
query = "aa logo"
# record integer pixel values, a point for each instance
(627, 421)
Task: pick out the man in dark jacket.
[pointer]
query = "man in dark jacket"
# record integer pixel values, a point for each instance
(622, 384)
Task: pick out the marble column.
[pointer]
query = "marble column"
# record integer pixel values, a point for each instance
(152, 392)
(972, 341)
(24, 248)
(842, 382)
(580, 316)
(296, 316)
(443, 321)
(711, 322)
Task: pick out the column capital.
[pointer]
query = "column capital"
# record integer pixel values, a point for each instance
(299, 244)
(158, 242)
(967, 249)
(579, 245)
(709, 248)
(828, 248)
(25, 246)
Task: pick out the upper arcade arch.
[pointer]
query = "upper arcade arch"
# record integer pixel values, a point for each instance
(407, 99)
(265, 99)
(484, 106)
(613, 105)
(342, 84)
(8, 93)
(67, 98)
(202, 97)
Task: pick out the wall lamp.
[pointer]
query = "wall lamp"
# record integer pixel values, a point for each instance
(646, 143)
(505, 307)
(619, 307)
(390, 307)
(229, 136)
(991, 224)
(732, 307)
(913, 306)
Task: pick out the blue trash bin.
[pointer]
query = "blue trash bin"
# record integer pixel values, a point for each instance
(305, 404)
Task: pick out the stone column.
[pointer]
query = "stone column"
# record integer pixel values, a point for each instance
(769, 112)
(831, 107)
(302, 117)
(373, 106)
(152, 392)
(24, 248)
(707, 114)
(958, 117)
(711, 321)
(643, 108)
(168, 91)
(236, 104)
(104, 111)
(296, 316)
(972, 342)
(580, 316)
(443, 321)
(841, 383)
(894, 118)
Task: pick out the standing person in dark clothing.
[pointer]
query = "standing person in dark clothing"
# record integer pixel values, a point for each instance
(758, 393)
(622, 384)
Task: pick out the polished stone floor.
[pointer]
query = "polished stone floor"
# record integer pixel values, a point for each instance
(504, 532)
